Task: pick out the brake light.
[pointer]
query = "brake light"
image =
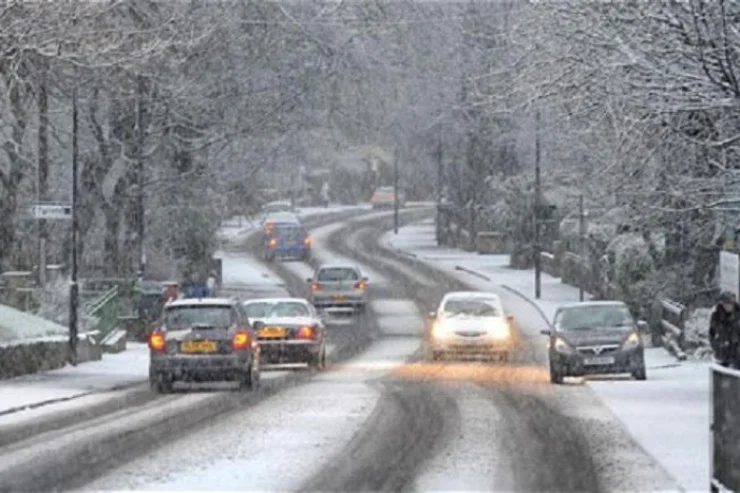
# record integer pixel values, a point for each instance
(272, 242)
(315, 286)
(240, 340)
(305, 332)
(360, 285)
(157, 341)
(307, 242)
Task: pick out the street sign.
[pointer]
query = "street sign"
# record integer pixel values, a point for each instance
(46, 211)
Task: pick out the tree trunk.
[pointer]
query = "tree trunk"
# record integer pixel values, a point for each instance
(112, 254)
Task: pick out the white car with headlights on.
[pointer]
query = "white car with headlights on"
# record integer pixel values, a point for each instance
(470, 323)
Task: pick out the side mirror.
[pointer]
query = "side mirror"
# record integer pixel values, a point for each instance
(510, 317)
(432, 315)
(365, 279)
(546, 332)
(258, 325)
(309, 280)
(642, 326)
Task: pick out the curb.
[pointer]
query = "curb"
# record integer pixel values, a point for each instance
(473, 273)
(528, 300)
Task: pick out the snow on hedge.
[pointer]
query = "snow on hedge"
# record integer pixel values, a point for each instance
(696, 333)
(16, 324)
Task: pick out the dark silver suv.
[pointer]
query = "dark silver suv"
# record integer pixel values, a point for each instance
(595, 337)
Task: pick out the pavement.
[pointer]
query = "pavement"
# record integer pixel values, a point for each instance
(675, 396)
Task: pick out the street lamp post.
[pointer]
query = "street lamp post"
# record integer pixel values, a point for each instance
(395, 190)
(73, 287)
(537, 211)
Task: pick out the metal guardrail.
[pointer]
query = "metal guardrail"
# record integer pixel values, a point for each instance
(105, 310)
(725, 429)
(671, 324)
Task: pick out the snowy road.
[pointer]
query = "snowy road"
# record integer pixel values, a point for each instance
(387, 420)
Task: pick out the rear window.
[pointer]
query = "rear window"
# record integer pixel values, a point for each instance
(276, 309)
(288, 230)
(184, 317)
(338, 274)
(270, 208)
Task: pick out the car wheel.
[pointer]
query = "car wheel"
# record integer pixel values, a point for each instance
(504, 357)
(246, 379)
(318, 361)
(555, 376)
(162, 384)
(640, 374)
(437, 355)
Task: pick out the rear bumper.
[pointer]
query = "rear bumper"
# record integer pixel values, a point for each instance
(298, 250)
(338, 301)
(272, 352)
(574, 364)
(200, 367)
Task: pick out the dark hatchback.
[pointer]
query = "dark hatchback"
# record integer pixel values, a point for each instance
(201, 340)
(595, 338)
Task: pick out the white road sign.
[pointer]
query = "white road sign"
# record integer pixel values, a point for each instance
(45, 211)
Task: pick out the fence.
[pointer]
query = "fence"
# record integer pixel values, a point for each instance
(668, 326)
(725, 429)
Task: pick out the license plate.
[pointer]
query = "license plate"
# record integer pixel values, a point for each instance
(272, 332)
(338, 297)
(199, 347)
(604, 360)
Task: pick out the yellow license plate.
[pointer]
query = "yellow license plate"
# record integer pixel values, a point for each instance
(272, 332)
(339, 297)
(199, 347)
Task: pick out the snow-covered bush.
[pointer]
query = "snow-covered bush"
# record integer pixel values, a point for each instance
(696, 334)
(53, 301)
(632, 258)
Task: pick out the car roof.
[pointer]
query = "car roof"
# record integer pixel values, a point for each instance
(339, 265)
(457, 295)
(201, 302)
(278, 202)
(578, 304)
(277, 300)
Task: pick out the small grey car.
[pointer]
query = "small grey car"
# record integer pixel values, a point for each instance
(338, 285)
(595, 337)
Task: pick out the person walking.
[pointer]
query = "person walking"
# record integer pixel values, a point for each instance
(724, 330)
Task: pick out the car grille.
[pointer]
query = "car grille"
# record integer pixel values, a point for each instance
(469, 333)
(598, 350)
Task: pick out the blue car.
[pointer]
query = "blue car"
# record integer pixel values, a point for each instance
(287, 241)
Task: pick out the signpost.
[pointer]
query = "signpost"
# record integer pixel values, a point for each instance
(51, 211)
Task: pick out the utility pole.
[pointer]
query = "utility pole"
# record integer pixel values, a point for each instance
(440, 172)
(582, 255)
(43, 162)
(140, 173)
(73, 287)
(395, 190)
(537, 211)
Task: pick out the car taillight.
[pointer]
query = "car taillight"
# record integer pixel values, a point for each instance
(157, 341)
(307, 242)
(360, 285)
(268, 227)
(240, 340)
(272, 242)
(315, 286)
(305, 332)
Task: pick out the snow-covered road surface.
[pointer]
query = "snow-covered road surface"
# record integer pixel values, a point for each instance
(275, 445)
(675, 397)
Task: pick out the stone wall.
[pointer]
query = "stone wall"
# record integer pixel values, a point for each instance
(32, 356)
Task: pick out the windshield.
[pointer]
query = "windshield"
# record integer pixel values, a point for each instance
(184, 317)
(335, 274)
(271, 208)
(594, 317)
(478, 308)
(276, 309)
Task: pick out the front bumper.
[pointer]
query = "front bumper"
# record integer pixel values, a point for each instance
(199, 367)
(277, 352)
(471, 346)
(576, 364)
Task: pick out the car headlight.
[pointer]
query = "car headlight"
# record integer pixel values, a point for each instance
(561, 346)
(632, 341)
(442, 328)
(498, 329)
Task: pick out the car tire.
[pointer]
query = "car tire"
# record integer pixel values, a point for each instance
(360, 309)
(162, 384)
(504, 357)
(318, 361)
(437, 355)
(555, 376)
(640, 374)
(246, 379)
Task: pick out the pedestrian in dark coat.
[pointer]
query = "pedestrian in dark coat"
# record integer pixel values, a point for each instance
(724, 330)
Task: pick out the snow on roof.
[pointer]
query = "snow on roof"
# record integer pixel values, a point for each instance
(201, 302)
(592, 303)
(339, 265)
(276, 300)
(471, 294)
